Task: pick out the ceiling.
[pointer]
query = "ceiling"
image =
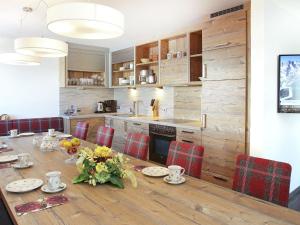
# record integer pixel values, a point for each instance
(145, 20)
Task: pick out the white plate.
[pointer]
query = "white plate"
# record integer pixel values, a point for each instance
(180, 181)
(25, 185)
(65, 136)
(45, 188)
(8, 158)
(19, 166)
(26, 134)
(155, 171)
(3, 146)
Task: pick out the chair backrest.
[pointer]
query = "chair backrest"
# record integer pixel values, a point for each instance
(137, 145)
(187, 155)
(36, 125)
(104, 136)
(262, 178)
(81, 130)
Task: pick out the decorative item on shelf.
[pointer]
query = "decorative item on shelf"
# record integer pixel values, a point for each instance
(145, 60)
(71, 148)
(169, 55)
(102, 166)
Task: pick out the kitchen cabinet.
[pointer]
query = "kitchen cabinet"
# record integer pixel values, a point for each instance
(119, 134)
(225, 31)
(188, 136)
(223, 101)
(94, 123)
(137, 127)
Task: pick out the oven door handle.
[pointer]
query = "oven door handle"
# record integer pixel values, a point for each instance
(164, 135)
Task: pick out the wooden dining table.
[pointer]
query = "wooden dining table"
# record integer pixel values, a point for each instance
(152, 202)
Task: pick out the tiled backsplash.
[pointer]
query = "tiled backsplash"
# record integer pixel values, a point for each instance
(178, 102)
(86, 99)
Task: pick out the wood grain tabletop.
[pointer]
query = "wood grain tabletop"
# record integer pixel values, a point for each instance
(152, 202)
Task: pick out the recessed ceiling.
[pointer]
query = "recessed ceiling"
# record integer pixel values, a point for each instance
(144, 20)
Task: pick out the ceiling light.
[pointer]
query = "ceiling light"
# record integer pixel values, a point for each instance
(41, 47)
(85, 20)
(18, 59)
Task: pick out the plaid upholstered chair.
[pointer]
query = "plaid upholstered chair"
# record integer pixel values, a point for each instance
(104, 136)
(186, 155)
(262, 178)
(81, 130)
(137, 145)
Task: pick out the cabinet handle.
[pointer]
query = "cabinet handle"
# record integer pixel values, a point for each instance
(222, 44)
(220, 178)
(203, 121)
(163, 135)
(188, 141)
(137, 124)
(187, 132)
(204, 71)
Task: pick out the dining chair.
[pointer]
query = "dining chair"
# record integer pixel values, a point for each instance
(137, 145)
(187, 155)
(81, 130)
(262, 178)
(105, 136)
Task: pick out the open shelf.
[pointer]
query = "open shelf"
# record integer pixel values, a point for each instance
(148, 51)
(123, 70)
(173, 46)
(94, 79)
(195, 56)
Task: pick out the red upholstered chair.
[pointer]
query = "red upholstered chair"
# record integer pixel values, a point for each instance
(105, 136)
(187, 155)
(262, 178)
(137, 145)
(81, 130)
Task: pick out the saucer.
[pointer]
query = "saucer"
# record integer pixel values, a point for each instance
(180, 181)
(45, 188)
(19, 166)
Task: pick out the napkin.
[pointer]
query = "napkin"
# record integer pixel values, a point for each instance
(5, 150)
(139, 167)
(41, 204)
(5, 165)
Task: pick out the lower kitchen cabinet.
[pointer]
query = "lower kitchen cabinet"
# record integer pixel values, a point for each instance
(188, 136)
(94, 123)
(137, 127)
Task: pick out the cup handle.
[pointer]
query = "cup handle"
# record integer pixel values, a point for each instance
(183, 171)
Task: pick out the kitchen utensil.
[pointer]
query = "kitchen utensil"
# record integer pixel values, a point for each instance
(169, 55)
(13, 133)
(100, 107)
(51, 132)
(46, 189)
(151, 79)
(155, 171)
(24, 159)
(175, 173)
(24, 185)
(53, 180)
(26, 134)
(20, 166)
(125, 82)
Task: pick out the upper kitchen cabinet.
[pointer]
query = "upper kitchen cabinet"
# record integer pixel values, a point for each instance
(86, 67)
(195, 56)
(147, 64)
(122, 71)
(224, 53)
(220, 33)
(173, 60)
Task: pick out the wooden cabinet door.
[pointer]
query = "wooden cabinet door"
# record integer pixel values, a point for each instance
(225, 63)
(119, 135)
(224, 104)
(174, 71)
(225, 31)
(137, 127)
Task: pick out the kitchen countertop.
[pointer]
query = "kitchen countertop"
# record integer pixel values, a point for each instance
(190, 124)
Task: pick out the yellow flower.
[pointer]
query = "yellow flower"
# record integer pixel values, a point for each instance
(102, 151)
(101, 167)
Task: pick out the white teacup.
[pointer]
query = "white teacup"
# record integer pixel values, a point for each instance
(175, 172)
(51, 132)
(53, 180)
(13, 133)
(24, 159)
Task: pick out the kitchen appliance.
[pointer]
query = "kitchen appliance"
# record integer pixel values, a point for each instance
(160, 139)
(147, 77)
(100, 107)
(110, 106)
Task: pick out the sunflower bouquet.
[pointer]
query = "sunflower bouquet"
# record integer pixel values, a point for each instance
(102, 166)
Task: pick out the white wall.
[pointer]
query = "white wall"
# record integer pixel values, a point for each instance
(275, 30)
(29, 91)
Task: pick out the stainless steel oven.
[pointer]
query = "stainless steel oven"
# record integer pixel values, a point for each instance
(160, 139)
